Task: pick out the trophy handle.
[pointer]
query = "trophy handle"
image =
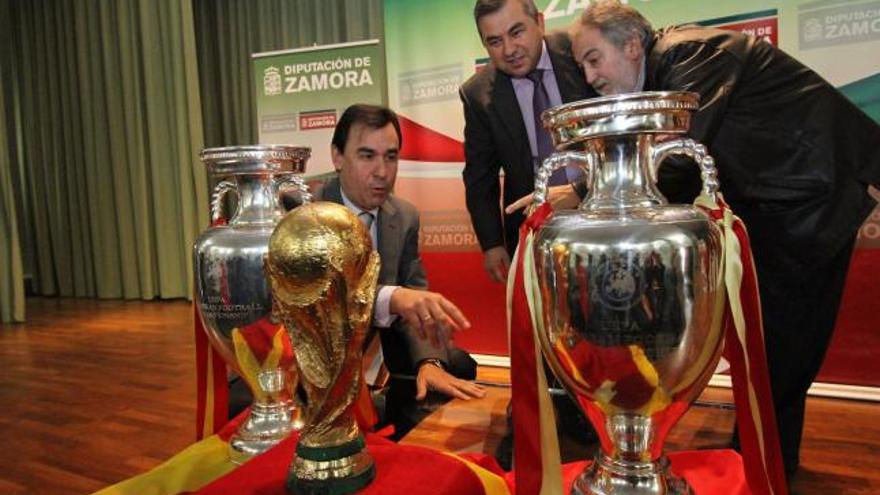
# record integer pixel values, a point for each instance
(556, 161)
(220, 191)
(693, 150)
(294, 183)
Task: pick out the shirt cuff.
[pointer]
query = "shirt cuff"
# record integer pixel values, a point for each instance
(382, 316)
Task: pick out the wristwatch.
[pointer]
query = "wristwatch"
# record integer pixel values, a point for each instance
(436, 362)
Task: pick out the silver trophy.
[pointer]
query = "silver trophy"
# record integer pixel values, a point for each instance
(629, 285)
(232, 292)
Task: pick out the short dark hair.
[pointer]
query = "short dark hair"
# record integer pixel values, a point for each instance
(485, 7)
(617, 22)
(372, 116)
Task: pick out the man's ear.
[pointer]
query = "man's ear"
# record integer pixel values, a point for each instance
(632, 49)
(336, 157)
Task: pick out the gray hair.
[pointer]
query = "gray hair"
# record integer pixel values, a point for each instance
(617, 22)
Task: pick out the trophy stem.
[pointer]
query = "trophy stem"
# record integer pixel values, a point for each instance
(608, 476)
(270, 419)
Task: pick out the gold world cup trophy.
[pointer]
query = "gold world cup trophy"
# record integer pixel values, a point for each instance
(323, 271)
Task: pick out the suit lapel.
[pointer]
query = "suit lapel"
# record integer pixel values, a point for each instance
(571, 82)
(331, 191)
(388, 233)
(505, 105)
(569, 78)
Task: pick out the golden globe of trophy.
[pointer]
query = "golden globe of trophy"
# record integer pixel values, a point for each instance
(323, 272)
(629, 290)
(232, 293)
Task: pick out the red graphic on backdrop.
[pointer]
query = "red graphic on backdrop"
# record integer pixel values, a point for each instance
(324, 119)
(427, 145)
(765, 29)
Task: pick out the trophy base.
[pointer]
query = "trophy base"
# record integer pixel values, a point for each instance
(607, 476)
(338, 470)
(265, 426)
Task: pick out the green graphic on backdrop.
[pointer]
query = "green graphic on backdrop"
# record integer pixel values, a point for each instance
(866, 95)
(301, 93)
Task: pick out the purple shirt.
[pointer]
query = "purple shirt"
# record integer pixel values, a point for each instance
(524, 89)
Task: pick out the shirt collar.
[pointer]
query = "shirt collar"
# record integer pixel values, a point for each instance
(544, 62)
(355, 208)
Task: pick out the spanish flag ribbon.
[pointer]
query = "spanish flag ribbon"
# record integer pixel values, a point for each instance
(744, 348)
(261, 346)
(212, 387)
(536, 448)
(204, 468)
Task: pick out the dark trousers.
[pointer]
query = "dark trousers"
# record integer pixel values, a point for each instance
(799, 311)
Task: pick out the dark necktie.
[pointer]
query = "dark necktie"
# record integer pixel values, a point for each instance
(368, 218)
(375, 372)
(544, 145)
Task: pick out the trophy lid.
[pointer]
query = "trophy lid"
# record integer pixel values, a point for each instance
(659, 112)
(256, 158)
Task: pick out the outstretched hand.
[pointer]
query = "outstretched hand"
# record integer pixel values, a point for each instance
(434, 378)
(430, 314)
(562, 197)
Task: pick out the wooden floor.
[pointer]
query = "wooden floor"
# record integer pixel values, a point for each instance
(93, 392)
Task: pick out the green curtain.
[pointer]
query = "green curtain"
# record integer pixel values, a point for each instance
(11, 271)
(102, 120)
(229, 31)
(108, 119)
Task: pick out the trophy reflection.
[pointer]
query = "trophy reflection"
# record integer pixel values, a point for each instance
(629, 286)
(323, 273)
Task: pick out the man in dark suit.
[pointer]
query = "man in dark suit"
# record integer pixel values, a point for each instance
(500, 119)
(415, 323)
(795, 159)
(528, 73)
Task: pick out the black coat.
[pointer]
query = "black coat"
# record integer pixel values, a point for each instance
(495, 138)
(794, 156)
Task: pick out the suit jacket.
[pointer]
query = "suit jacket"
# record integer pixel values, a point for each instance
(794, 156)
(397, 227)
(495, 138)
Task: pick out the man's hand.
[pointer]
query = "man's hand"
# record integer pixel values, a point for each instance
(433, 316)
(496, 261)
(562, 197)
(434, 378)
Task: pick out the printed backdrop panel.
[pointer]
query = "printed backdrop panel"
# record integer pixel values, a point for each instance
(301, 93)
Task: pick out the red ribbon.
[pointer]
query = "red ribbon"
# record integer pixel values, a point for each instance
(524, 370)
(764, 473)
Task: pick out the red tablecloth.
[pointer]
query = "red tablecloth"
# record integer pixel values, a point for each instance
(708, 472)
(406, 469)
(400, 469)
